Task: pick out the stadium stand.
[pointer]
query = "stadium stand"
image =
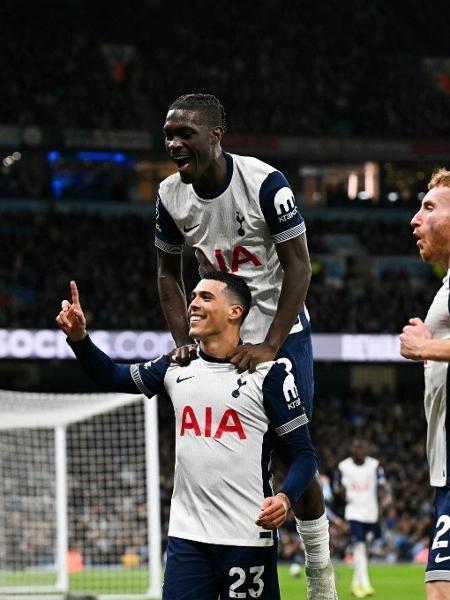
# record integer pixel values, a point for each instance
(364, 295)
(330, 63)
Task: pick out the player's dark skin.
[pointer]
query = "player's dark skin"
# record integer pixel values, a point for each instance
(189, 136)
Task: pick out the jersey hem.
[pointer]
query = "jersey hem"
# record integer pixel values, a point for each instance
(223, 542)
(438, 482)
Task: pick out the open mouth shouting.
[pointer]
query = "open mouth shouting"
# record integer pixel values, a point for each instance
(182, 162)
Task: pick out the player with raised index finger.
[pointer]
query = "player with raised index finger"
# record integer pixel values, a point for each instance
(223, 514)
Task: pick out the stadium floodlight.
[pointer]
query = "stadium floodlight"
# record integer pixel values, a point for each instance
(79, 496)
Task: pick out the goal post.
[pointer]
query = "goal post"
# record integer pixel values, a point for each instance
(79, 496)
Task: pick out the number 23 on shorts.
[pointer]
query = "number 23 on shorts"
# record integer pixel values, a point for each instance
(257, 584)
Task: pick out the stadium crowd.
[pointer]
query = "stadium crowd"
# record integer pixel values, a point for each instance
(310, 72)
(119, 283)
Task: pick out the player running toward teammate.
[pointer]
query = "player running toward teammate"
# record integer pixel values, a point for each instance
(359, 478)
(240, 215)
(223, 511)
(430, 341)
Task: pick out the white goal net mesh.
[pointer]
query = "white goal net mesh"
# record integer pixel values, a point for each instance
(77, 482)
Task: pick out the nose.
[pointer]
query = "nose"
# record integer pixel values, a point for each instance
(415, 221)
(173, 144)
(193, 303)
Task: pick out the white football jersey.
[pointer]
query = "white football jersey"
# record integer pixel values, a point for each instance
(361, 488)
(225, 425)
(435, 397)
(236, 230)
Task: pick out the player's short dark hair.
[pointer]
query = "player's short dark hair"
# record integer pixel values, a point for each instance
(207, 104)
(235, 287)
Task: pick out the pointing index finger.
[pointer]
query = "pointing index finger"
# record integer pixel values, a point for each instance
(75, 295)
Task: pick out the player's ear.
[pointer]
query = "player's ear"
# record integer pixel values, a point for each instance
(236, 312)
(216, 135)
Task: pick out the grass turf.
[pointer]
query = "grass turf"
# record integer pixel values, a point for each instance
(391, 582)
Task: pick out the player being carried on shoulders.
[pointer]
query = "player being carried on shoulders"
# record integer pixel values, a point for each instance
(240, 215)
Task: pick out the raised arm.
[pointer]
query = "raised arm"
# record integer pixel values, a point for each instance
(107, 374)
(71, 318)
(173, 302)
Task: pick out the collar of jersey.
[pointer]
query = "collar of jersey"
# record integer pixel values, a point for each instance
(225, 184)
(213, 359)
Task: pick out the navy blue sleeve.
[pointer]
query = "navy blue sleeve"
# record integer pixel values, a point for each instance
(279, 208)
(289, 421)
(116, 377)
(167, 235)
(381, 477)
(303, 465)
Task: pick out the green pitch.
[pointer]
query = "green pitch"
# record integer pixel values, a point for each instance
(391, 582)
(396, 582)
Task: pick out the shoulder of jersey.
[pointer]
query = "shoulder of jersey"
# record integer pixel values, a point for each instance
(264, 369)
(175, 369)
(169, 183)
(258, 168)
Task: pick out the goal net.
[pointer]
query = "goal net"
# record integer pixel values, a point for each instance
(79, 496)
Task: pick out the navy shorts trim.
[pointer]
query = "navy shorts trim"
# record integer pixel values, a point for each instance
(198, 571)
(438, 567)
(361, 532)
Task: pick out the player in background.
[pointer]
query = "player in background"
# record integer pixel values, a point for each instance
(360, 480)
(429, 341)
(240, 215)
(223, 511)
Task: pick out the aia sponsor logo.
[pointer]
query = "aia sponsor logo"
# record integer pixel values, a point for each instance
(205, 425)
(240, 255)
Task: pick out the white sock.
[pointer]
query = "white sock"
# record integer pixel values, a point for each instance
(316, 540)
(360, 574)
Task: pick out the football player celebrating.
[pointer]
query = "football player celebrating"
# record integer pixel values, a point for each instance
(222, 542)
(240, 215)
